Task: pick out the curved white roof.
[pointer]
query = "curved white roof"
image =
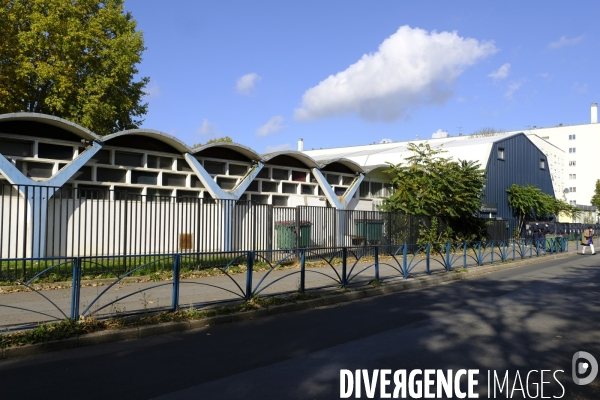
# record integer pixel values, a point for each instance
(163, 137)
(302, 157)
(51, 120)
(246, 151)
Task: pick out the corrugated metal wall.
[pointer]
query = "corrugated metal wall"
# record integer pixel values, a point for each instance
(521, 166)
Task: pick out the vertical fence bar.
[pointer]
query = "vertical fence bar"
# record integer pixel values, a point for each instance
(303, 271)
(448, 267)
(427, 258)
(176, 269)
(465, 255)
(75, 288)
(376, 263)
(250, 266)
(492, 256)
(404, 261)
(344, 265)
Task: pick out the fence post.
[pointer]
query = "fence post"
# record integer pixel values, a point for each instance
(492, 260)
(448, 266)
(404, 261)
(376, 263)
(344, 259)
(75, 288)
(302, 271)
(176, 268)
(464, 254)
(427, 256)
(250, 266)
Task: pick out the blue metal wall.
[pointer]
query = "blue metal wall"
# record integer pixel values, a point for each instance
(521, 166)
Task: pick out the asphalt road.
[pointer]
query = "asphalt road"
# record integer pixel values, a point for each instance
(531, 318)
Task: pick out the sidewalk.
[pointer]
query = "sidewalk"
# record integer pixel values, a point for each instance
(29, 307)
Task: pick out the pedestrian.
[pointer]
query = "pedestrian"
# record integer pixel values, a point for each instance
(536, 234)
(587, 240)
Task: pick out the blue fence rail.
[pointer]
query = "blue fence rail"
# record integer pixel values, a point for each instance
(237, 276)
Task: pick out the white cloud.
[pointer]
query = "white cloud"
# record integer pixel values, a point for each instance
(412, 67)
(439, 134)
(280, 147)
(246, 83)
(274, 125)
(545, 75)
(580, 88)
(501, 72)
(152, 91)
(207, 128)
(512, 87)
(564, 41)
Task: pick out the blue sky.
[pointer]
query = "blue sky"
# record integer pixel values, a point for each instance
(339, 73)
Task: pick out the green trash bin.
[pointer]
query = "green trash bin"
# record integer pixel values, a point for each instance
(286, 234)
(370, 229)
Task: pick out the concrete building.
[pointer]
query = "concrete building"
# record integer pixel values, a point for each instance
(507, 159)
(52, 169)
(580, 145)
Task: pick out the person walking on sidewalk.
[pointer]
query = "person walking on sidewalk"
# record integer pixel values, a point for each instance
(587, 240)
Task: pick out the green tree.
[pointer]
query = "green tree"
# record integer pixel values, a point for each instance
(226, 139)
(75, 59)
(596, 197)
(529, 202)
(438, 188)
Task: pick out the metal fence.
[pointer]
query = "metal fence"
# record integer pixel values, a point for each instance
(52, 289)
(53, 222)
(38, 222)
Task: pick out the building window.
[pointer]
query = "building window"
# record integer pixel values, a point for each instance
(160, 162)
(572, 190)
(571, 137)
(214, 168)
(542, 163)
(573, 202)
(572, 163)
(144, 178)
(280, 174)
(128, 159)
(173, 180)
(572, 176)
(501, 153)
(571, 149)
(55, 151)
(237, 170)
(110, 175)
(16, 148)
(101, 157)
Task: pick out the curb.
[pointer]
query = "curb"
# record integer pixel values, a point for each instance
(108, 336)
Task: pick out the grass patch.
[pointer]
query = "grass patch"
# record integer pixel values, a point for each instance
(70, 328)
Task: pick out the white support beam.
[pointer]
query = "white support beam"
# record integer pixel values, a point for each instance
(230, 195)
(37, 194)
(241, 187)
(327, 189)
(351, 191)
(211, 186)
(345, 202)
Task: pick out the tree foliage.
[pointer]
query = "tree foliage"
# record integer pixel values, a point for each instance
(529, 202)
(596, 197)
(434, 186)
(75, 59)
(226, 139)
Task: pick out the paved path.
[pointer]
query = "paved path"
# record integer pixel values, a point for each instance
(23, 308)
(533, 317)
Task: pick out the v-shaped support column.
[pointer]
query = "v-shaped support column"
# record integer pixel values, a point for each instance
(228, 196)
(339, 202)
(37, 194)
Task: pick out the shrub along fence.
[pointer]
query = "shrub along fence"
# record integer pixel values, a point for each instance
(110, 286)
